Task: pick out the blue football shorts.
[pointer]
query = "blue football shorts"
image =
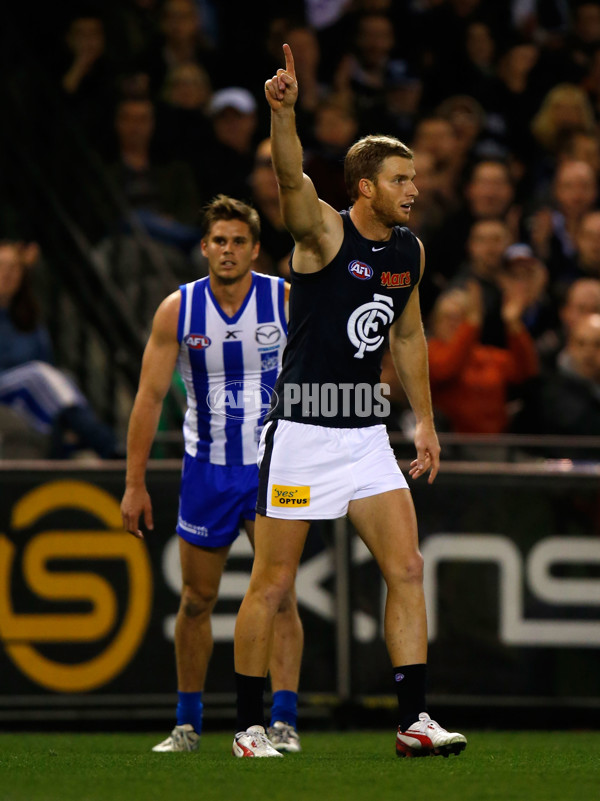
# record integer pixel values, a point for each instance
(214, 501)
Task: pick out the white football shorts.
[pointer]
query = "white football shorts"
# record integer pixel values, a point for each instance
(309, 472)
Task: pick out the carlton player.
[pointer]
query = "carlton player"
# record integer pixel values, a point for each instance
(355, 279)
(226, 334)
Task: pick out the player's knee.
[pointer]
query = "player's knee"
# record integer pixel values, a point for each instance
(196, 602)
(276, 586)
(414, 568)
(409, 571)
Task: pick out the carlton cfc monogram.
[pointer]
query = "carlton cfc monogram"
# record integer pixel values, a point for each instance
(365, 324)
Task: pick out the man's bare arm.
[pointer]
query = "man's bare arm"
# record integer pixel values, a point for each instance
(408, 348)
(315, 226)
(158, 364)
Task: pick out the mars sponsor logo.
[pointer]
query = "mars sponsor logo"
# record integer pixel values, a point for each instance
(290, 496)
(395, 280)
(197, 341)
(360, 270)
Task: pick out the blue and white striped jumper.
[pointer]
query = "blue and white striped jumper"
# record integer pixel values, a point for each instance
(229, 366)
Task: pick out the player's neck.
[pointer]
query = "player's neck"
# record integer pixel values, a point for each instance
(368, 225)
(230, 296)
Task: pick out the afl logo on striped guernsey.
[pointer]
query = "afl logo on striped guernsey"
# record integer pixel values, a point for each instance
(197, 341)
(360, 270)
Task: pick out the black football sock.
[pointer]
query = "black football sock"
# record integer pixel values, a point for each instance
(410, 682)
(250, 707)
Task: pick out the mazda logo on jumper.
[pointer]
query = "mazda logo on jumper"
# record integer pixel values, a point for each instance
(267, 334)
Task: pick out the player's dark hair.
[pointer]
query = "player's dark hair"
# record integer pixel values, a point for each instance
(223, 207)
(365, 159)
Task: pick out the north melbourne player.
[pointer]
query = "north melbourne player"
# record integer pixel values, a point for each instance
(226, 335)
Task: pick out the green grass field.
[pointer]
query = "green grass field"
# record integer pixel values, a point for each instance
(512, 766)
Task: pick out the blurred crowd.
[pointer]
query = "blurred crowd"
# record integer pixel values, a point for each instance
(500, 102)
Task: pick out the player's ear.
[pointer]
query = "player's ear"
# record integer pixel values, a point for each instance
(365, 187)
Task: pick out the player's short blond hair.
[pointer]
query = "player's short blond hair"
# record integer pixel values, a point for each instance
(366, 157)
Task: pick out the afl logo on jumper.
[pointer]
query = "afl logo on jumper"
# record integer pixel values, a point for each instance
(365, 324)
(360, 270)
(197, 341)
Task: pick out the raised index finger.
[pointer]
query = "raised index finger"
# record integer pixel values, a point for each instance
(289, 60)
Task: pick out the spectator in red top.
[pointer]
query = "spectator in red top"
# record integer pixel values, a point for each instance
(470, 381)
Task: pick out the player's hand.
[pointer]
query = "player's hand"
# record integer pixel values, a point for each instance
(136, 502)
(428, 452)
(281, 90)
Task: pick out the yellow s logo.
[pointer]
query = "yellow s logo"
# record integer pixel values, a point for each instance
(22, 632)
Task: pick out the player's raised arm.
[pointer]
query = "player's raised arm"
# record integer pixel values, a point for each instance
(315, 226)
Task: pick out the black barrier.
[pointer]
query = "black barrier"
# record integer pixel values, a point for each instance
(512, 578)
(87, 611)
(512, 555)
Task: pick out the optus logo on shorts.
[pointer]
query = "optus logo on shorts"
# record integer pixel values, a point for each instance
(290, 496)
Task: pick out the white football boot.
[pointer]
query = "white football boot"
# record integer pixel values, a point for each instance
(253, 743)
(428, 738)
(182, 738)
(284, 737)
